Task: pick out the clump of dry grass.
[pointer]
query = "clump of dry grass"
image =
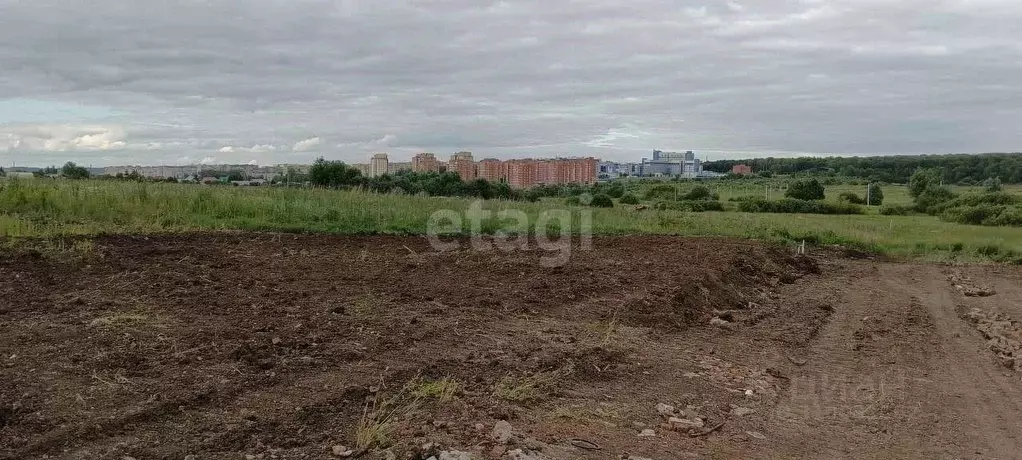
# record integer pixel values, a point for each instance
(375, 427)
(443, 390)
(530, 387)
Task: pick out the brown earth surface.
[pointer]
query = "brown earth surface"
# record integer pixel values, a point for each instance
(260, 346)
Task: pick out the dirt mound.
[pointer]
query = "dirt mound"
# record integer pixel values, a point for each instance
(726, 291)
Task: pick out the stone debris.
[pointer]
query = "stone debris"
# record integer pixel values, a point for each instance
(968, 287)
(647, 433)
(721, 323)
(735, 377)
(519, 454)
(1004, 336)
(455, 455)
(501, 432)
(341, 451)
(665, 409)
(684, 424)
(756, 434)
(742, 411)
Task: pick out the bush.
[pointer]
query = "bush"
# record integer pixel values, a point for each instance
(931, 199)
(698, 192)
(850, 197)
(662, 191)
(992, 185)
(985, 214)
(806, 189)
(602, 200)
(922, 180)
(895, 210)
(876, 195)
(573, 201)
(628, 198)
(616, 191)
(690, 205)
(791, 205)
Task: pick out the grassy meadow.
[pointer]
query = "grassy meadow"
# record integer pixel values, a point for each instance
(56, 208)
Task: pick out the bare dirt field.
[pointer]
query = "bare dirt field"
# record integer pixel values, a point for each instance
(259, 346)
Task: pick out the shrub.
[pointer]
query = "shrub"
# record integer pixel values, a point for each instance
(791, 205)
(629, 198)
(984, 214)
(876, 195)
(573, 201)
(895, 210)
(616, 191)
(992, 185)
(602, 200)
(850, 197)
(931, 199)
(698, 192)
(806, 189)
(662, 191)
(690, 205)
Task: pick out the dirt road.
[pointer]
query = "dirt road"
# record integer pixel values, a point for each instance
(276, 346)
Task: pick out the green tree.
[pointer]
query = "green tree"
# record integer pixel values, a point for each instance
(876, 195)
(333, 174)
(73, 171)
(992, 185)
(805, 189)
(922, 180)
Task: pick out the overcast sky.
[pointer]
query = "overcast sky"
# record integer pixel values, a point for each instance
(107, 82)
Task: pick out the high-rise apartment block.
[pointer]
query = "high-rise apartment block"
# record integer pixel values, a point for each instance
(425, 162)
(489, 169)
(462, 164)
(378, 165)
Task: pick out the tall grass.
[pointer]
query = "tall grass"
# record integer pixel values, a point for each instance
(48, 208)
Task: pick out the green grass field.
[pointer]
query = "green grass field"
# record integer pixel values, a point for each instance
(54, 208)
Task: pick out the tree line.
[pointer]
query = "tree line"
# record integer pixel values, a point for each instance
(955, 169)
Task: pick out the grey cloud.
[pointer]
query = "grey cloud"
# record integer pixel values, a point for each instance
(525, 77)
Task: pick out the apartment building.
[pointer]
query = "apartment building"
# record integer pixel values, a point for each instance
(741, 169)
(519, 173)
(398, 166)
(489, 169)
(425, 162)
(378, 165)
(462, 163)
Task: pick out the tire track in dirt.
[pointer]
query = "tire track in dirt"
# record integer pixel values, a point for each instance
(986, 398)
(854, 396)
(897, 374)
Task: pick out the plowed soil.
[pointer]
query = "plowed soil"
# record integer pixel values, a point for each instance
(241, 345)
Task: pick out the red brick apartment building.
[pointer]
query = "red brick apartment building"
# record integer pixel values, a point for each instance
(489, 169)
(462, 164)
(425, 162)
(518, 173)
(744, 170)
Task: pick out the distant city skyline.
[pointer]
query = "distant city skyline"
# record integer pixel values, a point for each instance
(407, 156)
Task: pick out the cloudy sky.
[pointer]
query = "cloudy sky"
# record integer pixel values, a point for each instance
(107, 82)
